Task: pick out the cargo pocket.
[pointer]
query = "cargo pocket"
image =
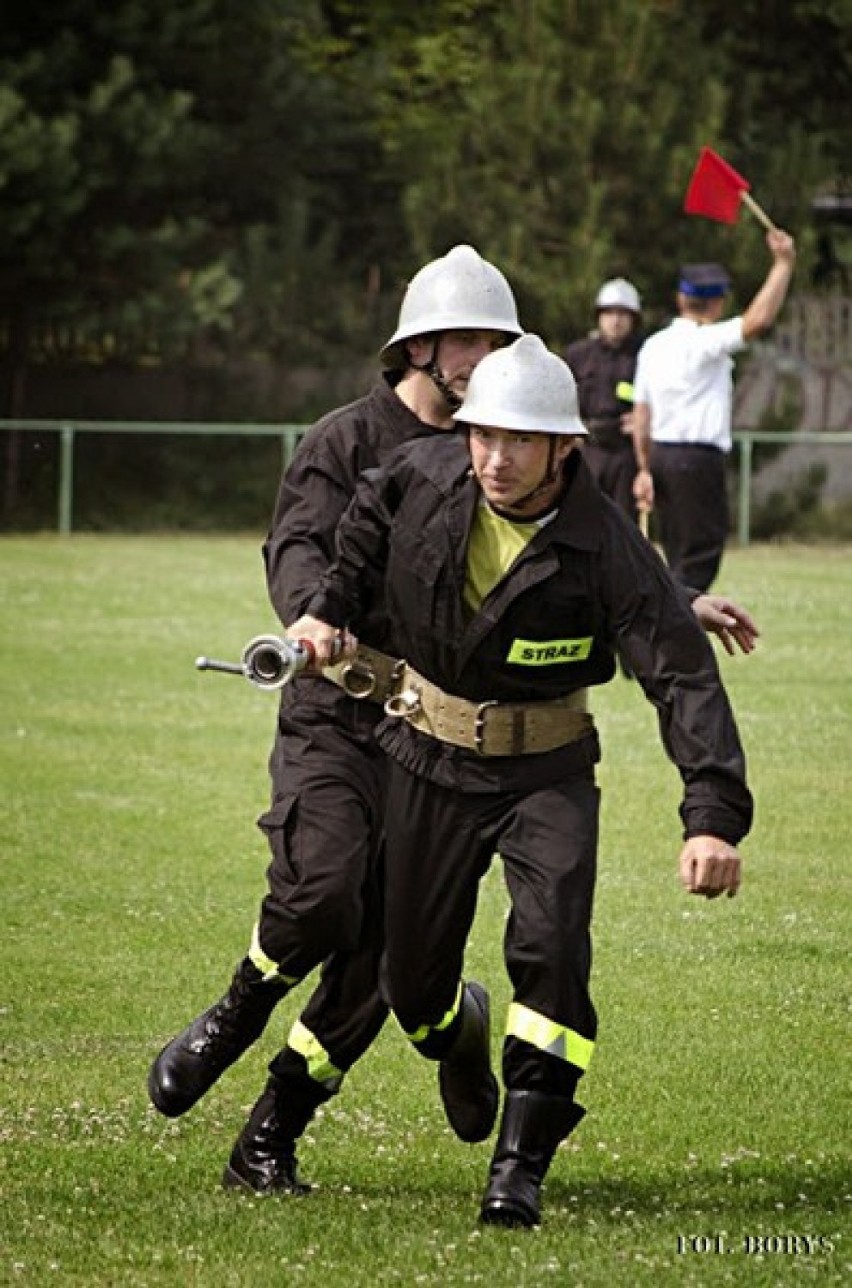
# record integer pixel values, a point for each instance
(278, 825)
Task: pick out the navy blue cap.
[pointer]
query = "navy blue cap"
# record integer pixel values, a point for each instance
(704, 281)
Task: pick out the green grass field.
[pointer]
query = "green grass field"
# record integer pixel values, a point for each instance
(716, 1147)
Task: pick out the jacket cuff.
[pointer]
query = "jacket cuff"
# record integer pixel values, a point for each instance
(726, 824)
(328, 608)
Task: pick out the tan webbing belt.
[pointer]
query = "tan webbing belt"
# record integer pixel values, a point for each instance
(491, 728)
(368, 676)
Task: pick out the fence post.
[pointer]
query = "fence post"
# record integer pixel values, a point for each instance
(290, 441)
(744, 504)
(66, 479)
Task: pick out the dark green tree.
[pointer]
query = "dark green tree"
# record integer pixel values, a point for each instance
(158, 163)
(173, 181)
(220, 178)
(559, 135)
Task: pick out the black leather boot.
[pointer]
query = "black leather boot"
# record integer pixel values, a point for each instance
(263, 1159)
(533, 1125)
(468, 1087)
(188, 1066)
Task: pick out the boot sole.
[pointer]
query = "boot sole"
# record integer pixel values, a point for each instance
(231, 1180)
(503, 1214)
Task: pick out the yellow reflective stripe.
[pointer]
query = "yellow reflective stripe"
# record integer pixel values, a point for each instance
(303, 1042)
(423, 1032)
(548, 652)
(555, 1039)
(267, 967)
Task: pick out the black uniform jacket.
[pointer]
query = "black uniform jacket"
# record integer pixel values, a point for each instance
(587, 581)
(598, 369)
(314, 493)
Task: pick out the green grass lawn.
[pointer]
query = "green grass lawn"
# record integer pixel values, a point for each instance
(716, 1146)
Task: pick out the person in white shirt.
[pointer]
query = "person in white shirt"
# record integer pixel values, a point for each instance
(683, 400)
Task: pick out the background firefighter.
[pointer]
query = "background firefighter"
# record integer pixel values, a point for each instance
(603, 365)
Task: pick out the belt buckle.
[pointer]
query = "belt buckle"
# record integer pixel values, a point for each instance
(479, 727)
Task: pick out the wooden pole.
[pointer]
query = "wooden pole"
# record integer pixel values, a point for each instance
(758, 211)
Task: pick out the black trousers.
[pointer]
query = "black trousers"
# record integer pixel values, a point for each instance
(440, 843)
(324, 900)
(614, 469)
(692, 510)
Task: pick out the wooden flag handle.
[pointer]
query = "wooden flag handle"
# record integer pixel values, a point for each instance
(758, 211)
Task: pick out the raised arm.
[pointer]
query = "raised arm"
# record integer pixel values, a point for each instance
(766, 305)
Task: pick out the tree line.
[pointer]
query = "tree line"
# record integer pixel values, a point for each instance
(195, 181)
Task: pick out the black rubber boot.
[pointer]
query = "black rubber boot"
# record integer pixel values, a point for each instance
(263, 1159)
(533, 1125)
(188, 1066)
(468, 1087)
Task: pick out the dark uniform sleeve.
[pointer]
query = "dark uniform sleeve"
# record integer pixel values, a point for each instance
(659, 635)
(314, 493)
(362, 548)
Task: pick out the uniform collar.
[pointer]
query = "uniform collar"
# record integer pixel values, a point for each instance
(579, 520)
(579, 517)
(384, 392)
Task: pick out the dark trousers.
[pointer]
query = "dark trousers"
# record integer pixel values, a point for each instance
(614, 469)
(439, 846)
(324, 903)
(691, 504)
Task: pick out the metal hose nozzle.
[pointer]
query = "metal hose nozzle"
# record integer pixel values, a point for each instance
(268, 662)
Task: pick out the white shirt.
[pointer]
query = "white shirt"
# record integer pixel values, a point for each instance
(684, 374)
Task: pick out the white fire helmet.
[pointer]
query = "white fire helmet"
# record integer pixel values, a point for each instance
(524, 388)
(459, 291)
(618, 293)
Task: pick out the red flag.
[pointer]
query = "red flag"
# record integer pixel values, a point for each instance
(715, 189)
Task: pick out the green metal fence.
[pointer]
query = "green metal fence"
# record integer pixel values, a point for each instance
(744, 441)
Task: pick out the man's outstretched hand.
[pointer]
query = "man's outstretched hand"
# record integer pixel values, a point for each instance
(723, 617)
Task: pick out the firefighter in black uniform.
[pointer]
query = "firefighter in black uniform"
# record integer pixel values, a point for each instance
(327, 773)
(603, 365)
(510, 586)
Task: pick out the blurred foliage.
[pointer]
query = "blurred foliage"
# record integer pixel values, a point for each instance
(171, 176)
(790, 510)
(215, 180)
(250, 175)
(559, 135)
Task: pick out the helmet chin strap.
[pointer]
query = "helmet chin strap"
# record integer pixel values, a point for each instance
(436, 375)
(551, 474)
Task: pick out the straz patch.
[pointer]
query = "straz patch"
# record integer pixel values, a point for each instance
(549, 652)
